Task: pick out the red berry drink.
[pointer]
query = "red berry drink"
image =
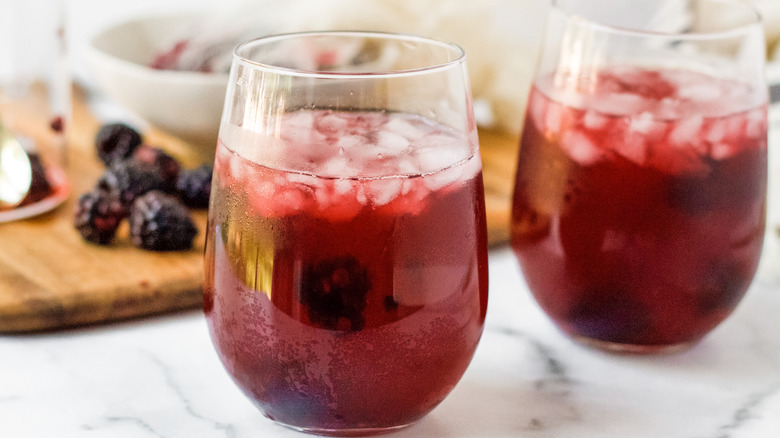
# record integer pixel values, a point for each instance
(348, 295)
(638, 214)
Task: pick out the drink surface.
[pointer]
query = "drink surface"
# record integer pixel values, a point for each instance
(348, 294)
(638, 213)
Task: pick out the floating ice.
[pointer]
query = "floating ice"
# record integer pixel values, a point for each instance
(439, 180)
(350, 142)
(553, 118)
(330, 124)
(432, 159)
(580, 148)
(701, 92)
(646, 123)
(723, 150)
(472, 167)
(716, 132)
(338, 166)
(756, 124)
(289, 201)
(595, 121)
(686, 131)
(618, 103)
(301, 119)
(632, 146)
(392, 143)
(406, 129)
(382, 191)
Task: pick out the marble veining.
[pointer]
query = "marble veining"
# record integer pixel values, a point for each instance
(160, 377)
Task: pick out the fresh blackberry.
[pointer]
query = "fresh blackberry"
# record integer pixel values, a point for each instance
(98, 215)
(334, 291)
(166, 165)
(160, 222)
(131, 178)
(116, 141)
(194, 186)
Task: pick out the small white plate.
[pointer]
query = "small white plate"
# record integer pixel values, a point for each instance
(60, 192)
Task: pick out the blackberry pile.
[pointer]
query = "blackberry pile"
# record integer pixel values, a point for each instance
(146, 186)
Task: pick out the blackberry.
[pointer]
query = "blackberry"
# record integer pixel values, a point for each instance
(131, 178)
(40, 187)
(166, 165)
(194, 186)
(334, 291)
(116, 141)
(98, 215)
(160, 222)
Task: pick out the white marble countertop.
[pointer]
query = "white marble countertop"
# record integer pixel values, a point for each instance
(160, 377)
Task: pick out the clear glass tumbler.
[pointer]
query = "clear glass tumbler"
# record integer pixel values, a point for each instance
(639, 205)
(346, 253)
(35, 100)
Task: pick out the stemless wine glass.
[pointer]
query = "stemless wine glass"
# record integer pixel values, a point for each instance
(639, 206)
(346, 254)
(35, 105)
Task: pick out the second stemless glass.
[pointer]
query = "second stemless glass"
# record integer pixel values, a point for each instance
(640, 197)
(346, 254)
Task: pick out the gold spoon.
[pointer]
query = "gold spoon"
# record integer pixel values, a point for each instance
(15, 170)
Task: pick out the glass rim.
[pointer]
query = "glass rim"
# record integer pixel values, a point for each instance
(458, 58)
(732, 31)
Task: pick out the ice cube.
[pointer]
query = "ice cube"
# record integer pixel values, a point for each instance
(413, 195)
(260, 197)
(643, 132)
(338, 166)
(301, 120)
(580, 147)
(472, 167)
(646, 124)
(289, 201)
(348, 143)
(716, 131)
(700, 92)
(686, 132)
(405, 128)
(756, 124)
(392, 143)
(722, 150)
(302, 179)
(341, 200)
(382, 191)
(432, 159)
(330, 124)
(553, 118)
(438, 180)
(633, 147)
(620, 103)
(406, 166)
(594, 120)
(343, 186)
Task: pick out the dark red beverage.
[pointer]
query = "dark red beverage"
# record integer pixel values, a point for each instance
(639, 212)
(342, 305)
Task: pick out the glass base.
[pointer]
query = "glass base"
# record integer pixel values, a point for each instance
(615, 347)
(361, 431)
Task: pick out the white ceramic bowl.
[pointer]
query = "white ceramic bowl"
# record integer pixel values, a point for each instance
(185, 104)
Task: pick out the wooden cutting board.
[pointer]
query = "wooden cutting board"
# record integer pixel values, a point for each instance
(51, 279)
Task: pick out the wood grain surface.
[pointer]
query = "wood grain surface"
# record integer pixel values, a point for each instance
(51, 279)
